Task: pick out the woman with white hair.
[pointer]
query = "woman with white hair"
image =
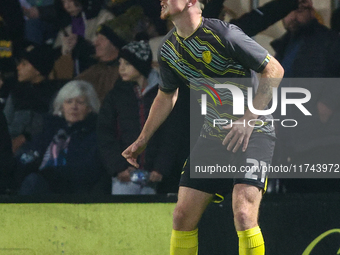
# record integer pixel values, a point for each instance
(63, 158)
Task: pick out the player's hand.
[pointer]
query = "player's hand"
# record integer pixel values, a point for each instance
(132, 152)
(155, 176)
(125, 175)
(324, 112)
(238, 135)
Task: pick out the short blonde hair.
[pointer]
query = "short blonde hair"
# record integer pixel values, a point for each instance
(74, 89)
(201, 4)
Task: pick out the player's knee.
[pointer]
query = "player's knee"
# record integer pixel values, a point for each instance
(181, 219)
(242, 217)
(179, 214)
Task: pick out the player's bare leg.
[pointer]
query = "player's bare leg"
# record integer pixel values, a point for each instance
(188, 211)
(246, 201)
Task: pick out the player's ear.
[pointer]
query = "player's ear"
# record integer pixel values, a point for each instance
(198, 3)
(192, 2)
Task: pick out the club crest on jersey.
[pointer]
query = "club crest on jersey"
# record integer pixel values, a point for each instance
(207, 57)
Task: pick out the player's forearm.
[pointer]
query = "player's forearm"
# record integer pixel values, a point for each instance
(270, 78)
(160, 110)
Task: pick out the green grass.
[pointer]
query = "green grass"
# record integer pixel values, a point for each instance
(98, 229)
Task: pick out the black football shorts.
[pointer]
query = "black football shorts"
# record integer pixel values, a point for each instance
(247, 166)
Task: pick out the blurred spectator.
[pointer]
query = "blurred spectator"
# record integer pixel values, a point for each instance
(7, 164)
(310, 50)
(111, 37)
(251, 22)
(11, 43)
(40, 17)
(7, 63)
(32, 96)
(261, 18)
(63, 158)
(121, 118)
(151, 9)
(335, 20)
(12, 15)
(79, 22)
(307, 41)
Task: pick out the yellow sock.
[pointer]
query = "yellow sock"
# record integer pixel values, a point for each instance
(184, 242)
(251, 242)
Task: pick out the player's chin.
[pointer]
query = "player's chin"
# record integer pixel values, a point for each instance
(164, 15)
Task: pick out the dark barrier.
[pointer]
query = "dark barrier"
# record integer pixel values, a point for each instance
(292, 224)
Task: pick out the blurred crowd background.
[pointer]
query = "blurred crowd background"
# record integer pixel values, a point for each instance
(78, 77)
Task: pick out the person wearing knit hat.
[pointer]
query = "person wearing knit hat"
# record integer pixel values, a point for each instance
(30, 98)
(131, 98)
(139, 55)
(40, 57)
(112, 35)
(109, 40)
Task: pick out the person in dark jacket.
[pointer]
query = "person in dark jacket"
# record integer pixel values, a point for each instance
(63, 158)
(7, 63)
(11, 43)
(307, 41)
(310, 50)
(12, 15)
(256, 20)
(335, 20)
(7, 164)
(122, 116)
(32, 96)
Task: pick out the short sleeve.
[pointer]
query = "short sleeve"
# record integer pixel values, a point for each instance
(169, 79)
(244, 49)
